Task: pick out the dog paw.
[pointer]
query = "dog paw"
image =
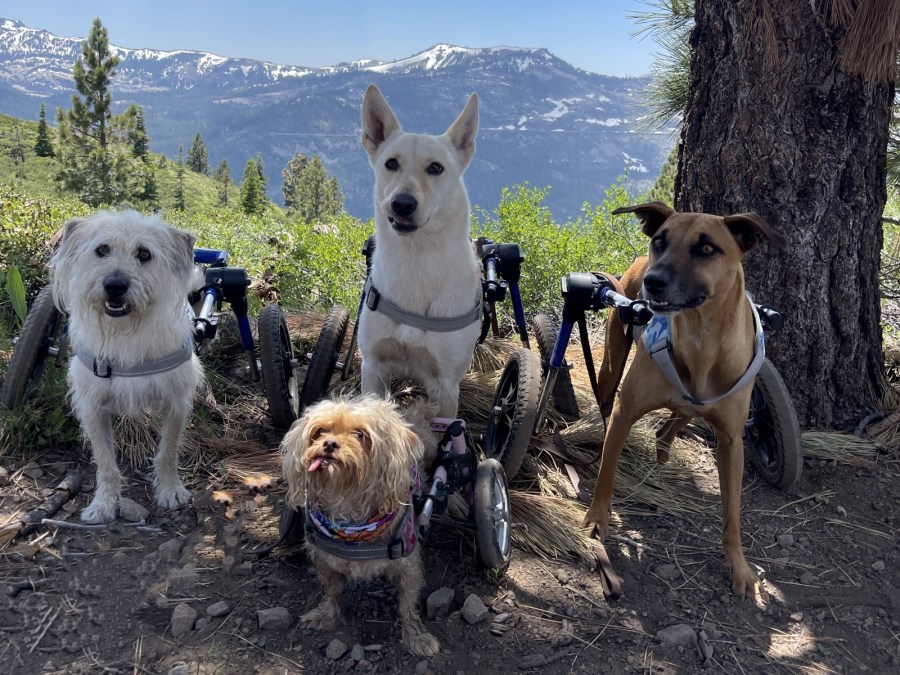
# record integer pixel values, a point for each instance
(172, 498)
(747, 585)
(599, 526)
(319, 619)
(99, 511)
(421, 643)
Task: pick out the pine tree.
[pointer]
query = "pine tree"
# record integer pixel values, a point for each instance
(91, 165)
(135, 132)
(253, 195)
(308, 191)
(43, 147)
(222, 176)
(198, 159)
(179, 177)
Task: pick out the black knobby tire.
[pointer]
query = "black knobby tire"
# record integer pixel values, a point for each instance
(772, 434)
(325, 355)
(493, 526)
(545, 332)
(276, 357)
(514, 411)
(40, 332)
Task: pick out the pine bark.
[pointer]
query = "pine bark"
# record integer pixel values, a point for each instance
(782, 131)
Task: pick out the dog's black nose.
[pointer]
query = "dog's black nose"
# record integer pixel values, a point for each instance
(403, 204)
(330, 446)
(655, 281)
(115, 285)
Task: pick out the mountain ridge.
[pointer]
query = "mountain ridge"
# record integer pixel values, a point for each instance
(543, 120)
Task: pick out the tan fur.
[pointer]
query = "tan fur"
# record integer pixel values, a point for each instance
(697, 259)
(367, 449)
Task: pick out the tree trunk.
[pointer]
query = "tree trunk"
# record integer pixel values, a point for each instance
(782, 131)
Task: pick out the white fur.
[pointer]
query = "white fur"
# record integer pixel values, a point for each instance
(156, 325)
(431, 270)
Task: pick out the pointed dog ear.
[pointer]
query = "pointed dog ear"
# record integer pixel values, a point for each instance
(464, 129)
(749, 231)
(652, 215)
(182, 262)
(378, 120)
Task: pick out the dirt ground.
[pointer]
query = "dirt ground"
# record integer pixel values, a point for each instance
(182, 594)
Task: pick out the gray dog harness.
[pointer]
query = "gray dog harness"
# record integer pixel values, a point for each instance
(107, 369)
(376, 302)
(657, 339)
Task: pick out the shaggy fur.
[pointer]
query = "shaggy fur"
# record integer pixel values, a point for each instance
(124, 278)
(352, 459)
(423, 260)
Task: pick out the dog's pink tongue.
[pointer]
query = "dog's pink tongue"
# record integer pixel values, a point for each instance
(315, 465)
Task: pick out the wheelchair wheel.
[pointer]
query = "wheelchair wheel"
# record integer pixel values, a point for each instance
(493, 534)
(564, 400)
(40, 338)
(772, 434)
(276, 357)
(325, 354)
(514, 411)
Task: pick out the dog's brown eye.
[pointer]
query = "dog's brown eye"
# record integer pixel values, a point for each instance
(143, 255)
(102, 250)
(392, 165)
(434, 169)
(708, 249)
(657, 243)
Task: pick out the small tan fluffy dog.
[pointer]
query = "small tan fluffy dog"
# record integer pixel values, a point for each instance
(351, 467)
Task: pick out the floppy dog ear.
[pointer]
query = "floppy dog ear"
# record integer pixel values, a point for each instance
(749, 230)
(61, 261)
(378, 120)
(293, 444)
(182, 262)
(651, 215)
(463, 130)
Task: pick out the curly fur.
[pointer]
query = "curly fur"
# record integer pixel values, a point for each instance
(352, 459)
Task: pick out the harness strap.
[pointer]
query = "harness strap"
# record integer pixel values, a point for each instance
(400, 546)
(376, 302)
(658, 342)
(106, 369)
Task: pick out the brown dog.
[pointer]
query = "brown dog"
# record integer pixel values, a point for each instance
(694, 276)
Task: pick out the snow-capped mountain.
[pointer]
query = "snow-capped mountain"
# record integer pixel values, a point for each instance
(541, 120)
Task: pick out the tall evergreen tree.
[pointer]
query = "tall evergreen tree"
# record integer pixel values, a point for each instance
(253, 194)
(179, 180)
(291, 175)
(198, 158)
(91, 166)
(222, 176)
(42, 146)
(308, 191)
(135, 132)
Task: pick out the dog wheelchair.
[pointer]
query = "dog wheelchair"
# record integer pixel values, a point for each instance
(501, 271)
(771, 432)
(43, 338)
(483, 486)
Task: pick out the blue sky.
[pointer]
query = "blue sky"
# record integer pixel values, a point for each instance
(596, 35)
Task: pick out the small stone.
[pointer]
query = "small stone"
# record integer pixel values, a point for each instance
(422, 667)
(807, 578)
(668, 572)
(878, 566)
(32, 470)
(183, 618)
(474, 610)
(170, 551)
(678, 635)
(245, 569)
(4, 475)
(797, 617)
(180, 669)
(357, 653)
(841, 511)
(201, 623)
(218, 609)
(274, 618)
(131, 511)
(438, 603)
(335, 649)
(785, 540)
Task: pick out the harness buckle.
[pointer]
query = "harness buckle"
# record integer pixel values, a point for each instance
(372, 298)
(395, 549)
(106, 375)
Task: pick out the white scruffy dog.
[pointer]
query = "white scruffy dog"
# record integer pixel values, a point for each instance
(423, 297)
(124, 279)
